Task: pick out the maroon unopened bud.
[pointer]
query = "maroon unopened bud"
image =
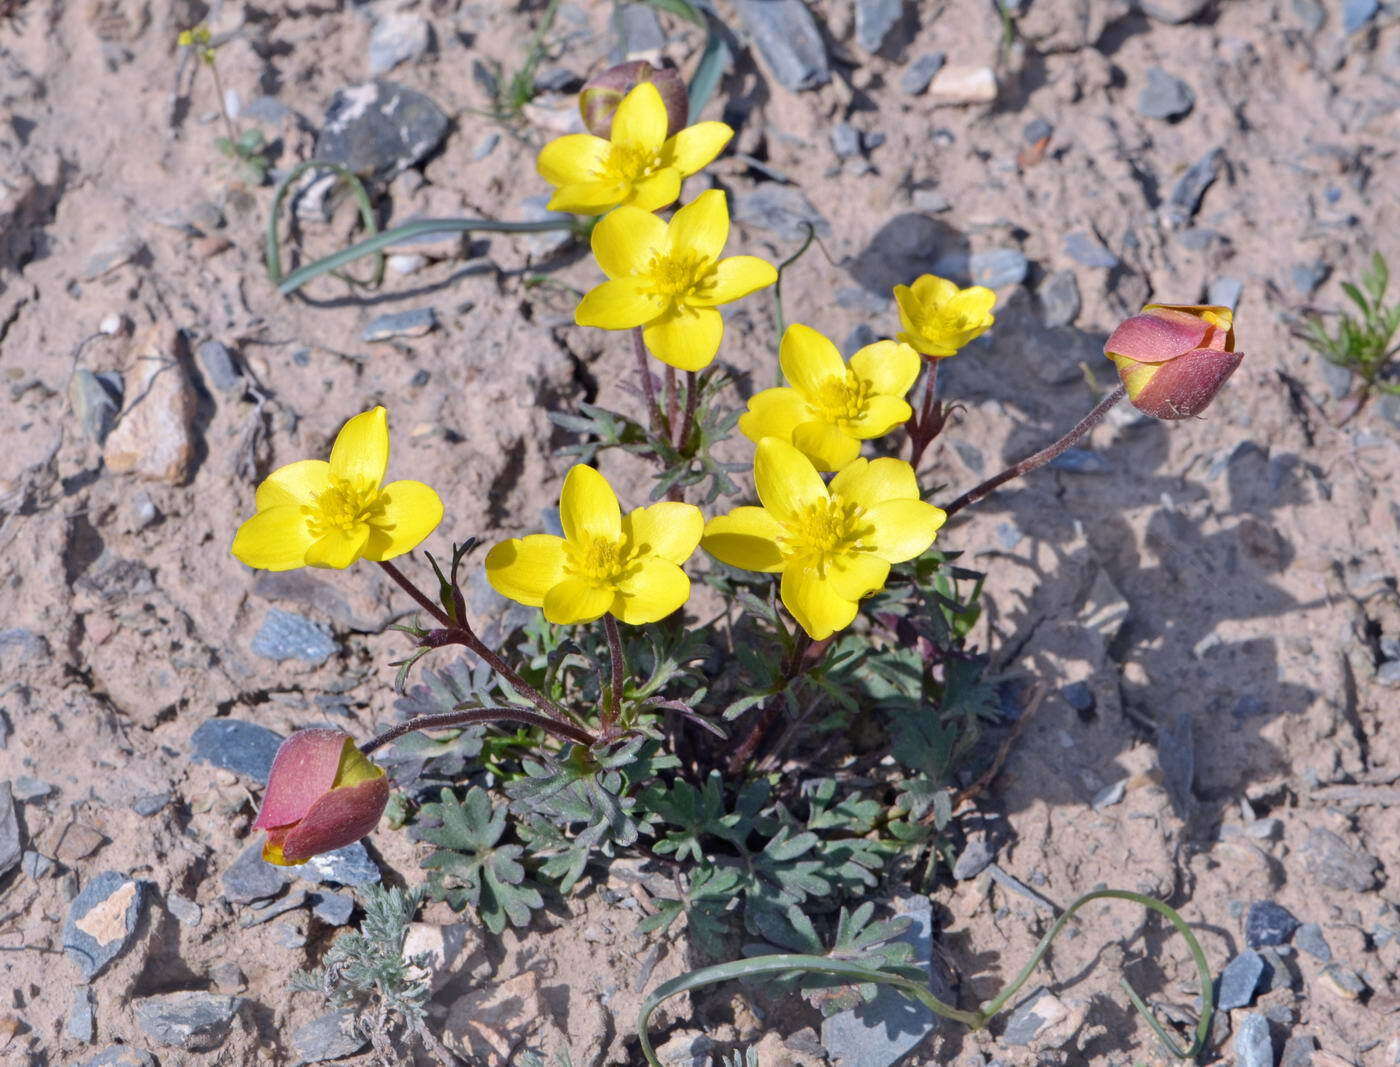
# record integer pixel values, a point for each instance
(322, 794)
(601, 94)
(1173, 358)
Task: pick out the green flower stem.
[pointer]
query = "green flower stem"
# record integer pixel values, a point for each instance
(1044, 456)
(672, 400)
(454, 632)
(759, 966)
(615, 655)
(639, 350)
(376, 243)
(272, 251)
(795, 663)
(779, 324)
(469, 717)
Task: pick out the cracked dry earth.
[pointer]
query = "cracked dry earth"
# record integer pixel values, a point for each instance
(1203, 614)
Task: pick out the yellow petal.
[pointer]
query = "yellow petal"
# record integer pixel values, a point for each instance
(589, 198)
(773, 413)
(816, 606)
(411, 512)
(902, 529)
(908, 305)
(854, 575)
(973, 303)
(574, 158)
(669, 530)
(881, 415)
(746, 538)
(891, 368)
(933, 291)
(686, 338)
(640, 120)
(298, 483)
(619, 304)
(732, 277)
(827, 446)
(625, 241)
(809, 360)
(701, 227)
(275, 539)
(656, 190)
(786, 481)
(868, 483)
(588, 506)
(526, 568)
(695, 147)
(339, 548)
(361, 450)
(573, 601)
(650, 592)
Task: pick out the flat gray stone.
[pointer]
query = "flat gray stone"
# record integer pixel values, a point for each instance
(1059, 298)
(874, 20)
(350, 865)
(975, 858)
(786, 36)
(1239, 980)
(1164, 96)
(118, 1056)
(1173, 12)
(917, 76)
(640, 31)
(1225, 292)
(190, 1020)
(115, 253)
(397, 37)
(287, 635)
(242, 747)
(881, 1031)
(80, 1024)
(1298, 1051)
(1267, 923)
(1088, 250)
(1029, 1019)
(96, 400)
(845, 140)
(327, 1037)
(1333, 863)
(998, 267)
(1253, 1045)
(1306, 277)
(250, 877)
(186, 911)
(1080, 461)
(1357, 13)
(1310, 939)
(779, 209)
(220, 368)
(1185, 199)
(11, 844)
(333, 909)
(21, 648)
(102, 919)
(380, 129)
(412, 323)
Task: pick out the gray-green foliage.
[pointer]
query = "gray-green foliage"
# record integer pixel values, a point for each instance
(1363, 345)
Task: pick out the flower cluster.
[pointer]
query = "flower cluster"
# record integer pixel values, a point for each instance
(830, 540)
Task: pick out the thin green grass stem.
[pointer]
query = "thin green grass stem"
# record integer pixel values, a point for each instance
(759, 966)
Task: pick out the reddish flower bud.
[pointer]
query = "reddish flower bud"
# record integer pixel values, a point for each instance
(323, 794)
(598, 99)
(1173, 358)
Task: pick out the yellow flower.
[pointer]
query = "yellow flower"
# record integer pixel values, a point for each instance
(832, 408)
(628, 565)
(668, 277)
(939, 318)
(832, 543)
(317, 514)
(639, 165)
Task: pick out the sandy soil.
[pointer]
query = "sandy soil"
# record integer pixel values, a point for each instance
(1225, 587)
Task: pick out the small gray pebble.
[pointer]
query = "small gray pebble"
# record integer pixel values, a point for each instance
(1059, 298)
(1007, 535)
(1088, 250)
(845, 140)
(1109, 795)
(333, 909)
(26, 788)
(1357, 13)
(486, 146)
(1164, 96)
(150, 803)
(1036, 131)
(917, 76)
(186, 911)
(35, 865)
(1239, 980)
(1225, 292)
(287, 635)
(976, 856)
(1311, 940)
(1306, 277)
(189, 1020)
(998, 267)
(412, 323)
(1253, 1045)
(1079, 696)
(1298, 1051)
(1080, 461)
(220, 369)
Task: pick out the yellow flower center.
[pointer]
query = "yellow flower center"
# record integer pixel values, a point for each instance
(824, 530)
(344, 505)
(678, 273)
(840, 399)
(631, 162)
(600, 561)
